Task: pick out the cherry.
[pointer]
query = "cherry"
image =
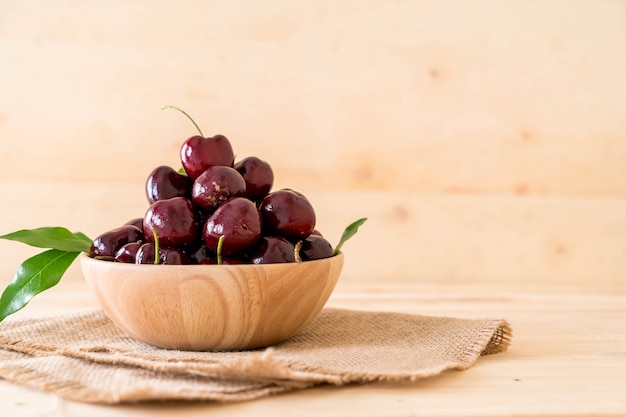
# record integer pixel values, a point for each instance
(211, 258)
(128, 252)
(164, 182)
(198, 153)
(258, 176)
(271, 250)
(107, 244)
(175, 221)
(239, 221)
(288, 213)
(216, 185)
(315, 247)
(219, 213)
(167, 256)
(138, 222)
(145, 254)
(225, 261)
(199, 253)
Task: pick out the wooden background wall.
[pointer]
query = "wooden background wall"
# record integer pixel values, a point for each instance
(484, 140)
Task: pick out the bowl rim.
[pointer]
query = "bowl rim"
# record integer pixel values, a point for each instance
(84, 257)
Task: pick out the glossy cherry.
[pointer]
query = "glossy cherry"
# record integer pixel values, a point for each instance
(258, 176)
(272, 250)
(287, 213)
(137, 222)
(108, 243)
(175, 221)
(239, 221)
(167, 256)
(225, 261)
(164, 182)
(128, 252)
(198, 153)
(216, 185)
(315, 247)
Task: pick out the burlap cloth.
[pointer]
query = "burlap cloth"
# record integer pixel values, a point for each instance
(85, 357)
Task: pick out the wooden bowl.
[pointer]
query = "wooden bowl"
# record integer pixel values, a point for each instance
(212, 307)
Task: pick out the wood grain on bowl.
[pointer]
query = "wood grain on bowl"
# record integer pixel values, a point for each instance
(212, 307)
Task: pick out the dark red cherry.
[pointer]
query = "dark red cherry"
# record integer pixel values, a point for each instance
(258, 176)
(170, 256)
(108, 243)
(287, 213)
(175, 222)
(198, 253)
(216, 185)
(225, 261)
(164, 182)
(272, 250)
(315, 247)
(145, 254)
(127, 253)
(239, 221)
(198, 153)
(167, 256)
(138, 222)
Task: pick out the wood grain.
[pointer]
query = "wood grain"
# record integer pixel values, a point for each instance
(420, 96)
(448, 238)
(212, 307)
(485, 140)
(567, 358)
(481, 151)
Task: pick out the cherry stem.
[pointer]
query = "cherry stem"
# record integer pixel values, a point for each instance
(156, 247)
(220, 242)
(167, 106)
(296, 251)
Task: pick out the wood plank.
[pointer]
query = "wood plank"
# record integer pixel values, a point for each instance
(492, 168)
(418, 96)
(534, 241)
(567, 358)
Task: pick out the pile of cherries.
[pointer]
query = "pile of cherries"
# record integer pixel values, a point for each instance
(217, 211)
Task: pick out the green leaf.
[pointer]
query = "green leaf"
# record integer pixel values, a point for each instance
(34, 275)
(348, 233)
(84, 237)
(52, 237)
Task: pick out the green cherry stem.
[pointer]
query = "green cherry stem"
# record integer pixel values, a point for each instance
(167, 106)
(156, 247)
(220, 242)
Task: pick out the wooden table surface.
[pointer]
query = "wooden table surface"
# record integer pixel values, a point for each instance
(484, 140)
(568, 357)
